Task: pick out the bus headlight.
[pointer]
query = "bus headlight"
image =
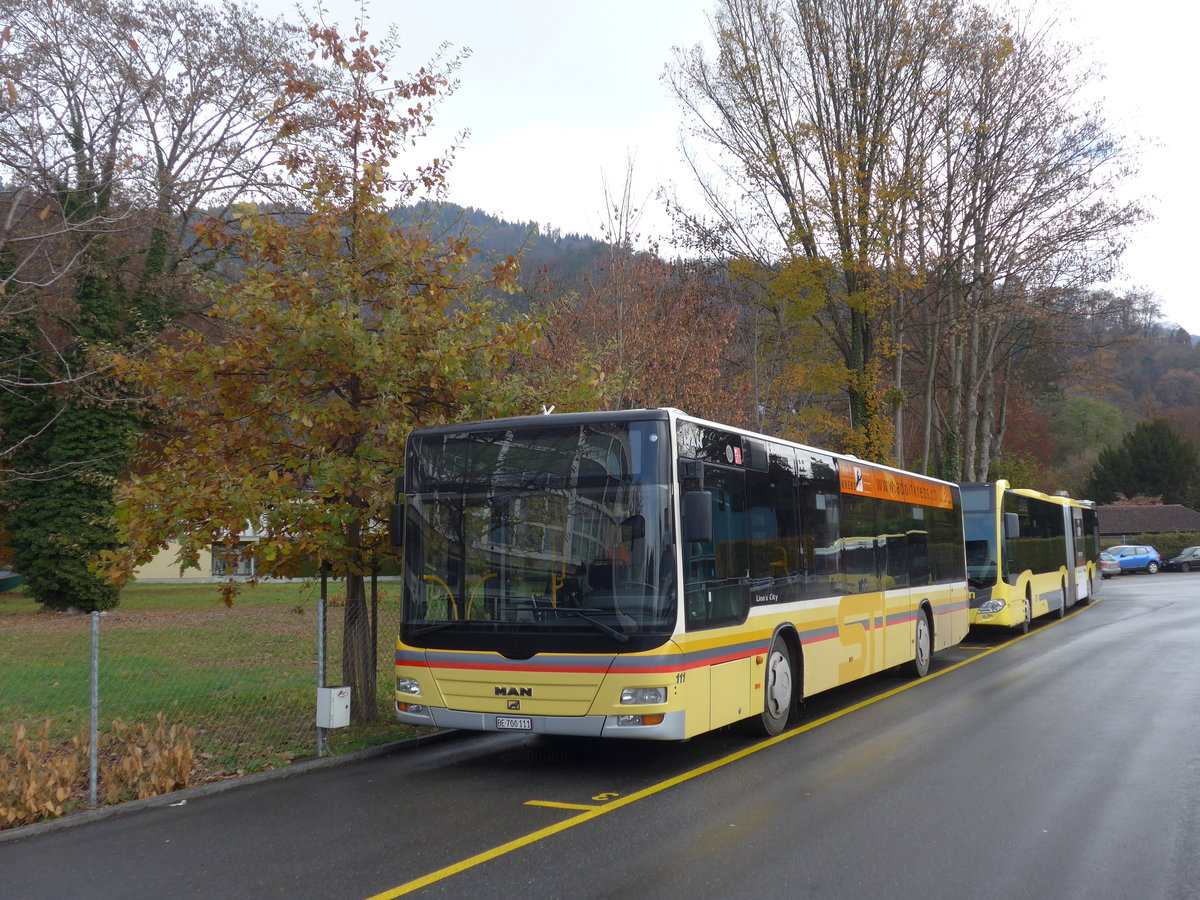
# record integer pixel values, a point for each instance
(991, 606)
(644, 695)
(408, 686)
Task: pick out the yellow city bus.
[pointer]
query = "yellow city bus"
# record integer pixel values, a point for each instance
(1029, 554)
(647, 574)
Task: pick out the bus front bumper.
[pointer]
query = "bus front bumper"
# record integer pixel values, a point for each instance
(671, 728)
(996, 613)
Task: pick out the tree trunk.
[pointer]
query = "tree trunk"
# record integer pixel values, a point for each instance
(358, 654)
(898, 384)
(932, 352)
(970, 419)
(987, 418)
(983, 409)
(952, 458)
(1001, 425)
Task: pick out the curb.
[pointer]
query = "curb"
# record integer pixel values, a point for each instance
(73, 819)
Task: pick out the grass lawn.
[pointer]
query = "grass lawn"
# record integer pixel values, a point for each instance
(244, 677)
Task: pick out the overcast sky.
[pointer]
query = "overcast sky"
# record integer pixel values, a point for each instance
(558, 94)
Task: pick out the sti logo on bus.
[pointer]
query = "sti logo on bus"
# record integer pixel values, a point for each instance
(514, 692)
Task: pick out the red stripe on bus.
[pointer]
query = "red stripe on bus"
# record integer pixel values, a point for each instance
(626, 668)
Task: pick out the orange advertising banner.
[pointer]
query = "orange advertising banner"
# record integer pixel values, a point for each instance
(859, 478)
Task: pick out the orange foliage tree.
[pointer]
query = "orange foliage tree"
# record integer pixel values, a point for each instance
(658, 333)
(341, 333)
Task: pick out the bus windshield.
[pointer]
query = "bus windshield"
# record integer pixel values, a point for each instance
(980, 533)
(540, 538)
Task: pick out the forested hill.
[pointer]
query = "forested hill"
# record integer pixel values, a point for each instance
(566, 260)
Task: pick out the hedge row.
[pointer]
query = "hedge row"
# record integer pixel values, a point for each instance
(1168, 543)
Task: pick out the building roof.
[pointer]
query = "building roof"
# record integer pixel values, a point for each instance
(1130, 521)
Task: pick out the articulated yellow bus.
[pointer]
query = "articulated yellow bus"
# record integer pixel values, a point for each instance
(646, 574)
(1028, 554)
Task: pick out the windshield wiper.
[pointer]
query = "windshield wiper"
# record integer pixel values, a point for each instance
(430, 629)
(584, 614)
(581, 613)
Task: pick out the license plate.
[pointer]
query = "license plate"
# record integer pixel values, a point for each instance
(510, 723)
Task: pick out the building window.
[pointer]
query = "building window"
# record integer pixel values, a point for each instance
(235, 559)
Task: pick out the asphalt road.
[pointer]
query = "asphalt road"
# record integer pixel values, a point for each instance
(1065, 764)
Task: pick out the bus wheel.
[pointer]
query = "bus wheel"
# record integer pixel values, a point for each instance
(1023, 628)
(779, 693)
(922, 649)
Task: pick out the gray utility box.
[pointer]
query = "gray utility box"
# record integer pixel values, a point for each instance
(333, 707)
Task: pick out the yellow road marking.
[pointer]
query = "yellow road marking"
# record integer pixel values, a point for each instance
(595, 812)
(553, 805)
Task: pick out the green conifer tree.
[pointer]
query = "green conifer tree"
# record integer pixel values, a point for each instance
(1152, 460)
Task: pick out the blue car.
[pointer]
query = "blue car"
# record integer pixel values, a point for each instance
(1135, 558)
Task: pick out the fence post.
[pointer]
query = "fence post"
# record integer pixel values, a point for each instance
(322, 742)
(374, 682)
(94, 743)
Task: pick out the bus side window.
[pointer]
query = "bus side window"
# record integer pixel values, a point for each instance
(819, 524)
(774, 521)
(718, 586)
(894, 519)
(947, 562)
(918, 547)
(860, 573)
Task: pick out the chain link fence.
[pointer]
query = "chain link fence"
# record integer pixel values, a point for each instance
(188, 690)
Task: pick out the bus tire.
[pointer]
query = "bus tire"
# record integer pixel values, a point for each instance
(1023, 628)
(1062, 609)
(779, 691)
(922, 661)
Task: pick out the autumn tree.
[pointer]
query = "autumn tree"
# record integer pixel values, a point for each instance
(1018, 212)
(653, 333)
(128, 115)
(805, 105)
(343, 331)
(920, 180)
(123, 120)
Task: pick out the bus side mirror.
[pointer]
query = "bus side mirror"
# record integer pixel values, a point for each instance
(1012, 526)
(697, 517)
(396, 526)
(396, 518)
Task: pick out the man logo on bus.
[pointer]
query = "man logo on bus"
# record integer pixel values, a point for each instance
(514, 692)
(858, 482)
